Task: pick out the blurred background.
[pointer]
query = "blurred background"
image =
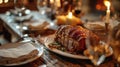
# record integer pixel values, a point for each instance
(6, 5)
(86, 7)
(90, 5)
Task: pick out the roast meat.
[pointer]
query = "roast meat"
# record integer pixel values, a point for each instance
(73, 37)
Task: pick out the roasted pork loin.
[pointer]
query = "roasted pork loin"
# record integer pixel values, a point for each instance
(73, 37)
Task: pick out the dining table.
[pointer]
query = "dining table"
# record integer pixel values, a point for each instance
(49, 58)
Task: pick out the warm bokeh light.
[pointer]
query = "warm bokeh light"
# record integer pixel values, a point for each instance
(70, 15)
(5, 1)
(1, 1)
(51, 1)
(98, 7)
(57, 3)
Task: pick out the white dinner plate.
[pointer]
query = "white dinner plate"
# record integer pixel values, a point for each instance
(50, 39)
(38, 47)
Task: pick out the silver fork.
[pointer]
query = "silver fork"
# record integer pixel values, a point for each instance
(49, 61)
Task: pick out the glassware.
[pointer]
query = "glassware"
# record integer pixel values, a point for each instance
(21, 13)
(20, 6)
(42, 6)
(78, 5)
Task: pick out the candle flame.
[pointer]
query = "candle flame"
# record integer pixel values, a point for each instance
(70, 15)
(1, 1)
(107, 4)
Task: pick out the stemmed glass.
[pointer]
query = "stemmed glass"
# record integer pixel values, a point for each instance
(19, 6)
(42, 6)
(21, 14)
(20, 9)
(78, 6)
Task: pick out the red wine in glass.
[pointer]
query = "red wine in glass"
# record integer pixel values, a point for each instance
(77, 11)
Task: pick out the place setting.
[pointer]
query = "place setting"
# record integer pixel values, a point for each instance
(25, 51)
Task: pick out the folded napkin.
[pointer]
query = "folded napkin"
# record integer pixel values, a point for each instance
(17, 51)
(95, 25)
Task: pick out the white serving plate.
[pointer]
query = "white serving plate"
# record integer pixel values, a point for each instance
(50, 39)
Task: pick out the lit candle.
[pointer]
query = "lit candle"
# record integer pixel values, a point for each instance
(69, 19)
(107, 4)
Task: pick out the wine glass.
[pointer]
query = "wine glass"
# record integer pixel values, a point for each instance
(21, 14)
(42, 6)
(78, 7)
(19, 7)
